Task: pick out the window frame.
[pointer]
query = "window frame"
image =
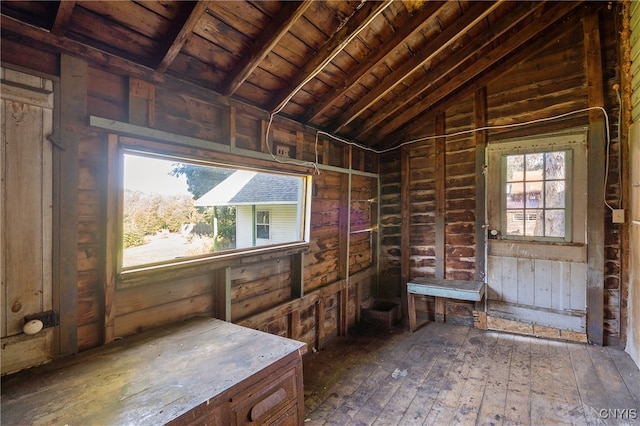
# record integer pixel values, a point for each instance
(568, 204)
(267, 224)
(132, 273)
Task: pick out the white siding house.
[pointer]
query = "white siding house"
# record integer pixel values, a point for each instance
(268, 206)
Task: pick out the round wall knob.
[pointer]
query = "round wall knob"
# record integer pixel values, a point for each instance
(32, 327)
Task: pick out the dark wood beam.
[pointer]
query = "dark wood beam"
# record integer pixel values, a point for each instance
(480, 120)
(273, 33)
(181, 29)
(460, 94)
(441, 196)
(408, 30)
(63, 16)
(471, 18)
(356, 22)
(458, 72)
(595, 178)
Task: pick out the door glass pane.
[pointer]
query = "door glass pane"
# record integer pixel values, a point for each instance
(534, 163)
(515, 222)
(554, 223)
(554, 194)
(515, 195)
(555, 165)
(515, 168)
(534, 195)
(534, 224)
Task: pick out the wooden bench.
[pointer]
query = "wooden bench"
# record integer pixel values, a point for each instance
(442, 289)
(201, 371)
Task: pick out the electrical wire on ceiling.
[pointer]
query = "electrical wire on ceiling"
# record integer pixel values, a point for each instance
(449, 136)
(310, 77)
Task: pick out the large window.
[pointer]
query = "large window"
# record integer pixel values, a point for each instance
(173, 210)
(535, 197)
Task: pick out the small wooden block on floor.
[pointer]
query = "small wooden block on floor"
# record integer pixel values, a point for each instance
(441, 289)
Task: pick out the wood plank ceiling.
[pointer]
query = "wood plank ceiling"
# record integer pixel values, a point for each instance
(368, 71)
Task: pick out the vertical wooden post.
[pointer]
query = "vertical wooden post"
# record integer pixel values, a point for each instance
(320, 318)
(441, 197)
(344, 237)
(229, 126)
(141, 103)
(112, 230)
(595, 181)
(297, 275)
(73, 115)
(405, 226)
(480, 121)
(222, 293)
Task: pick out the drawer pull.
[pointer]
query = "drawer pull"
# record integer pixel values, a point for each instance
(267, 404)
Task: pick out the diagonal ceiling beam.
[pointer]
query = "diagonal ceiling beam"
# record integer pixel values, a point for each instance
(463, 24)
(63, 16)
(181, 28)
(460, 77)
(533, 50)
(277, 28)
(358, 20)
(408, 30)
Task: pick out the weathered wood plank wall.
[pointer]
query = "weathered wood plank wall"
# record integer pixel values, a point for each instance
(550, 81)
(261, 289)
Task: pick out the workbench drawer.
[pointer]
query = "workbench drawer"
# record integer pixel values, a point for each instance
(267, 400)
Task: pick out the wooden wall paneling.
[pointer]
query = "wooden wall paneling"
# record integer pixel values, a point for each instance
(480, 111)
(405, 227)
(480, 121)
(297, 275)
(595, 181)
(73, 96)
(222, 293)
(441, 208)
(344, 235)
(141, 103)
(229, 126)
(111, 232)
(320, 320)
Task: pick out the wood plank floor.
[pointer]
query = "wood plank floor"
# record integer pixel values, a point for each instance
(446, 374)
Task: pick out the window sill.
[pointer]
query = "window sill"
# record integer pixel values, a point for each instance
(144, 274)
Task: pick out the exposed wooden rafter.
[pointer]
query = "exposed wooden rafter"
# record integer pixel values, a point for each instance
(360, 19)
(464, 74)
(445, 39)
(63, 16)
(180, 31)
(403, 33)
(286, 17)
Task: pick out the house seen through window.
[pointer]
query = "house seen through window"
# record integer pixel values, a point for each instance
(535, 194)
(174, 210)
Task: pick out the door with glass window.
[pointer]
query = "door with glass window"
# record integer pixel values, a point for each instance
(536, 210)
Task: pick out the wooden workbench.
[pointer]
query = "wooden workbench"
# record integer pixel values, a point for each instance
(202, 370)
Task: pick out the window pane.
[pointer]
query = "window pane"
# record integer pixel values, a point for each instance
(174, 210)
(554, 223)
(554, 194)
(515, 222)
(534, 225)
(534, 195)
(555, 165)
(534, 164)
(515, 168)
(515, 195)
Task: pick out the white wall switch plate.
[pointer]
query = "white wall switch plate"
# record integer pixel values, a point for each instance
(617, 215)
